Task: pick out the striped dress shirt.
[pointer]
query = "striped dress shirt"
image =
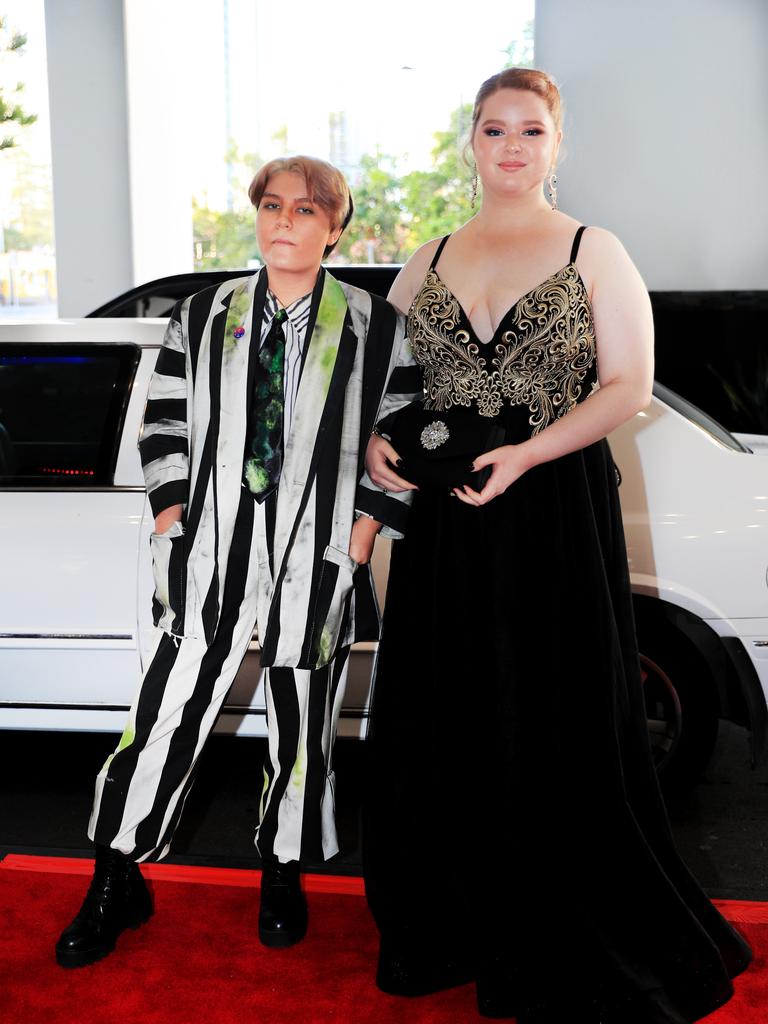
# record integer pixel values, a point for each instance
(295, 330)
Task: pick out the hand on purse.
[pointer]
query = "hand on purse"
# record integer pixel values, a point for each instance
(508, 465)
(380, 457)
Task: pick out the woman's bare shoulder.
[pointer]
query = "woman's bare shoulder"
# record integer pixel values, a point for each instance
(419, 260)
(602, 257)
(612, 279)
(408, 281)
(600, 244)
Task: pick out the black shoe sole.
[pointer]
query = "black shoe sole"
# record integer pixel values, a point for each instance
(280, 939)
(83, 957)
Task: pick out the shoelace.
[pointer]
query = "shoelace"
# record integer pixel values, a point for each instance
(104, 879)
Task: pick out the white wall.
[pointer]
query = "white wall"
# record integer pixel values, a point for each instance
(89, 151)
(666, 131)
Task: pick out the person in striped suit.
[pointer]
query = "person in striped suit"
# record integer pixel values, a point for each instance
(265, 520)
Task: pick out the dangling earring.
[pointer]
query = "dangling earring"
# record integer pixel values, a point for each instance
(473, 197)
(552, 186)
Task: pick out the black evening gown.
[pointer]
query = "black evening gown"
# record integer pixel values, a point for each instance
(515, 835)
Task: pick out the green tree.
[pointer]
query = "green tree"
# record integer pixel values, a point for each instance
(280, 140)
(377, 233)
(224, 239)
(11, 43)
(439, 200)
(31, 221)
(394, 214)
(520, 51)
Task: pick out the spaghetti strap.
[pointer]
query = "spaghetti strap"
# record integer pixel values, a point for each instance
(439, 249)
(577, 243)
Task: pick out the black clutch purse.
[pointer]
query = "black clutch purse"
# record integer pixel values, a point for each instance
(437, 449)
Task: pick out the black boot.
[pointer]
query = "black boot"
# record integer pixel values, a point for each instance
(117, 899)
(283, 909)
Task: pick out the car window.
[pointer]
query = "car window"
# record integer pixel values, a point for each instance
(148, 305)
(710, 348)
(61, 413)
(698, 416)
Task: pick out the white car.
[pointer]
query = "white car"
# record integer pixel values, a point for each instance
(75, 603)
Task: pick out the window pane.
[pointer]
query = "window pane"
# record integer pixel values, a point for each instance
(61, 413)
(27, 260)
(384, 94)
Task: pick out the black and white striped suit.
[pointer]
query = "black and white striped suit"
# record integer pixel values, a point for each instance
(282, 566)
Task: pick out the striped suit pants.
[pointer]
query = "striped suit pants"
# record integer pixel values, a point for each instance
(142, 788)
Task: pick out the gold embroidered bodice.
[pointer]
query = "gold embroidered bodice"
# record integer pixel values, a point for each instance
(542, 354)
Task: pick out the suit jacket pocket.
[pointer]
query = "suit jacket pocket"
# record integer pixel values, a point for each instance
(168, 567)
(331, 605)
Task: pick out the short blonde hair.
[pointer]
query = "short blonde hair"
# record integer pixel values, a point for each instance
(326, 186)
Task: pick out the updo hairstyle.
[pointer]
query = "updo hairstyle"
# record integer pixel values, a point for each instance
(529, 79)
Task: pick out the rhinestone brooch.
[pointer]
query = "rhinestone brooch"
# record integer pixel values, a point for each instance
(435, 434)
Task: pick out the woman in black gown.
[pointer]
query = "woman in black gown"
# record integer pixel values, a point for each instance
(515, 834)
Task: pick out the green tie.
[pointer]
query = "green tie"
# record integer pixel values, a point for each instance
(264, 450)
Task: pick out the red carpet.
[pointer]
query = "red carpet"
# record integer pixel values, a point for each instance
(198, 961)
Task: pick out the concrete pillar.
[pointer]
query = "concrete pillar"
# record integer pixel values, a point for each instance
(665, 142)
(89, 151)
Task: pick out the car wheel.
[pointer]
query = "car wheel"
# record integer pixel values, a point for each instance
(682, 708)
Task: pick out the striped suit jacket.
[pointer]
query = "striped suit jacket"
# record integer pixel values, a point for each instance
(311, 596)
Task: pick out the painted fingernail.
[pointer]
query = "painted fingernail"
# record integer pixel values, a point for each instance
(399, 462)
